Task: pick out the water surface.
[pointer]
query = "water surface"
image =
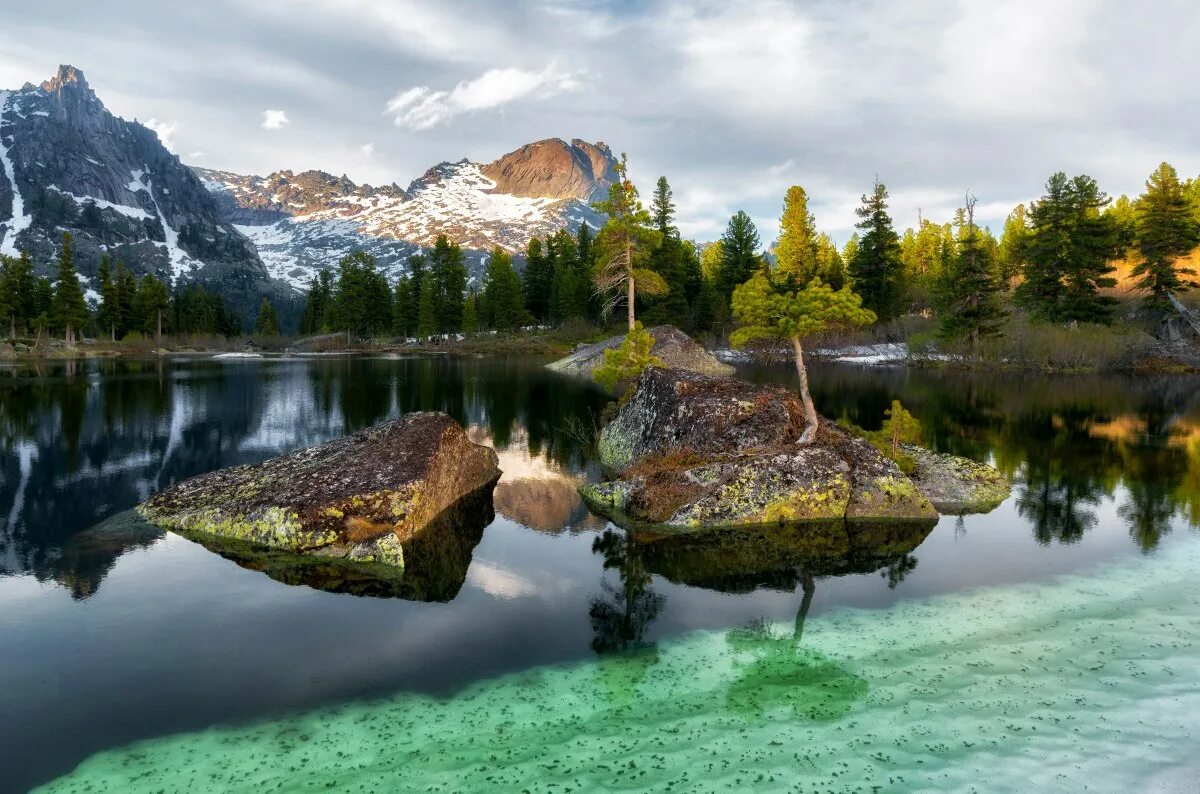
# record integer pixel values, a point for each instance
(547, 646)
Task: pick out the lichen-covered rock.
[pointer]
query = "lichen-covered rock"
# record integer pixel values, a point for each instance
(957, 485)
(359, 498)
(693, 451)
(673, 347)
(677, 410)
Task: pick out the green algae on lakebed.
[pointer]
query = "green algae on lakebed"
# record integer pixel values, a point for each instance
(1090, 680)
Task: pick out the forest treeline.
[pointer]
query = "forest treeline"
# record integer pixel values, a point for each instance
(1054, 261)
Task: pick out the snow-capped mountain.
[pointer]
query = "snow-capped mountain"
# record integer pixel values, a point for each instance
(301, 223)
(67, 164)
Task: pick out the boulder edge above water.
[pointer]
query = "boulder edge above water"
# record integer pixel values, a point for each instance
(673, 347)
(358, 498)
(691, 451)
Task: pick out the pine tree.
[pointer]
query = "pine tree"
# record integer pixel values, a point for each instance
(150, 304)
(669, 260)
(470, 316)
(416, 274)
(266, 324)
(106, 312)
(830, 267)
(768, 308)
(1068, 253)
(70, 310)
(625, 243)
(503, 293)
(17, 286)
(403, 322)
(448, 276)
(427, 324)
(1167, 229)
(740, 254)
(361, 302)
(1014, 241)
(796, 251)
(537, 283)
(125, 292)
(970, 292)
(876, 268)
(316, 303)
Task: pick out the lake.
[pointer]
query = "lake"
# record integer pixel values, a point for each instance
(1051, 643)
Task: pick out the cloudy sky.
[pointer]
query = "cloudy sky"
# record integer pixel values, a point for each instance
(732, 101)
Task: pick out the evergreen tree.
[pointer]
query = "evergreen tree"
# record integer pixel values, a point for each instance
(1068, 253)
(625, 244)
(1167, 229)
(124, 293)
(669, 260)
(70, 310)
(361, 302)
(314, 319)
(539, 276)
(448, 278)
(106, 312)
(1124, 216)
(797, 249)
(470, 316)
(876, 267)
(266, 324)
(830, 267)
(503, 293)
(17, 288)
(427, 324)
(740, 256)
(586, 262)
(767, 307)
(150, 304)
(416, 275)
(970, 291)
(850, 251)
(41, 305)
(404, 323)
(1014, 241)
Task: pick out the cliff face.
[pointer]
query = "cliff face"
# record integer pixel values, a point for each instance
(555, 169)
(69, 164)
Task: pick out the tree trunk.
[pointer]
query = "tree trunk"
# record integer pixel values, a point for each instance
(810, 410)
(632, 291)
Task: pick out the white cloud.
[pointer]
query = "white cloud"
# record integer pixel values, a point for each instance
(367, 149)
(274, 120)
(421, 107)
(196, 155)
(166, 131)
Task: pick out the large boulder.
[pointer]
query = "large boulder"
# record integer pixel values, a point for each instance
(360, 498)
(693, 451)
(673, 347)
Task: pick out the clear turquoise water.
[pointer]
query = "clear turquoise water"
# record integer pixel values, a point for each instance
(1086, 681)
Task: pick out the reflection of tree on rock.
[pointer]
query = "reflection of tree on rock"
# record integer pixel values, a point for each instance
(620, 618)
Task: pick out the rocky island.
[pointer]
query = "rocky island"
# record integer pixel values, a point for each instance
(692, 451)
(360, 499)
(673, 347)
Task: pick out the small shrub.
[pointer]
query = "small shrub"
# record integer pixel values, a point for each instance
(625, 363)
(899, 427)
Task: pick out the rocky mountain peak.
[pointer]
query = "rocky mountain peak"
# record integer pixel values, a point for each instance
(553, 168)
(67, 77)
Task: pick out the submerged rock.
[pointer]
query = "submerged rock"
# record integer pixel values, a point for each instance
(693, 451)
(957, 485)
(673, 347)
(360, 498)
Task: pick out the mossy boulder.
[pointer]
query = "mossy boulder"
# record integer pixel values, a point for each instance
(673, 347)
(692, 451)
(957, 485)
(359, 498)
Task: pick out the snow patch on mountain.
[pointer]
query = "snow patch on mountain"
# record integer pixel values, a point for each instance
(19, 220)
(181, 263)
